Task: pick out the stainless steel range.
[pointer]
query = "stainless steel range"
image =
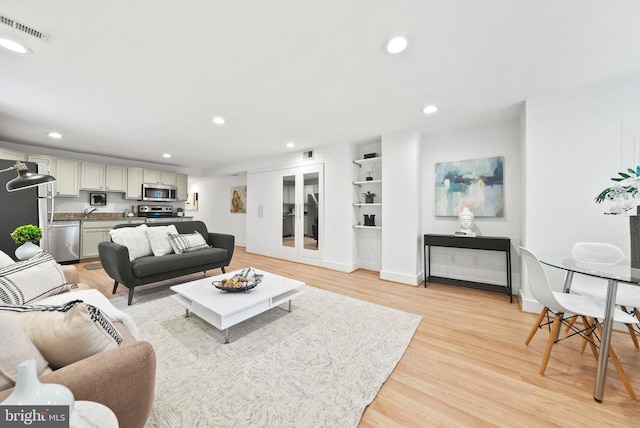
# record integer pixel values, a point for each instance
(156, 212)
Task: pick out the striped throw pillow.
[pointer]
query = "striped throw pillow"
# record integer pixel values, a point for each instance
(30, 280)
(184, 243)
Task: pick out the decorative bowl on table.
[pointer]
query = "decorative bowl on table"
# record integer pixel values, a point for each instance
(238, 283)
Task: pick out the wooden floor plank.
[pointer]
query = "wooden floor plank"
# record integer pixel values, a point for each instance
(467, 364)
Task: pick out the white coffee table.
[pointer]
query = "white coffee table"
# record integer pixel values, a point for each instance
(223, 309)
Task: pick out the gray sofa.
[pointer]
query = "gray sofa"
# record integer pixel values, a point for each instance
(148, 269)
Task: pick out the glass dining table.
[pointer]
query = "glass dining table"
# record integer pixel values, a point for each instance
(613, 273)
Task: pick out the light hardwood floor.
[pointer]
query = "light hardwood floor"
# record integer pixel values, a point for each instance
(467, 364)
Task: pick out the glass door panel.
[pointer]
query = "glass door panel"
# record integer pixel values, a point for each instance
(288, 211)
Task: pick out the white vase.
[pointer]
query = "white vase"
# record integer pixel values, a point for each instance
(27, 250)
(30, 391)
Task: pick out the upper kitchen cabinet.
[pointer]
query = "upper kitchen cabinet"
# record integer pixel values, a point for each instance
(182, 187)
(92, 176)
(46, 164)
(11, 155)
(67, 178)
(134, 183)
(115, 178)
(95, 176)
(159, 177)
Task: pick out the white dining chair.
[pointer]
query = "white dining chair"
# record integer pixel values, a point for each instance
(558, 305)
(627, 297)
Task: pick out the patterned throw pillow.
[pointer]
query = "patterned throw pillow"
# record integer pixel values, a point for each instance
(5, 260)
(184, 243)
(32, 279)
(67, 333)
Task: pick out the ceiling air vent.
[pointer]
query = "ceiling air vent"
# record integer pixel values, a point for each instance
(23, 28)
(307, 155)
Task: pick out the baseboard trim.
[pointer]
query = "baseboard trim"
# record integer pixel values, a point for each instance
(401, 277)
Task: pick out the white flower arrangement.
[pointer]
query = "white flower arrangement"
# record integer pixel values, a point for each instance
(624, 193)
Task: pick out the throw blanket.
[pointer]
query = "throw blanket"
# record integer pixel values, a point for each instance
(97, 299)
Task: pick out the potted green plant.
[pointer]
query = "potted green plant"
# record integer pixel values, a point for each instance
(180, 211)
(27, 236)
(368, 197)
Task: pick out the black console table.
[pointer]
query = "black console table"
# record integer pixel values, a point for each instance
(489, 243)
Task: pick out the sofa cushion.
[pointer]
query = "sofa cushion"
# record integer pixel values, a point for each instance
(32, 279)
(67, 333)
(159, 239)
(147, 266)
(185, 243)
(135, 239)
(21, 350)
(5, 259)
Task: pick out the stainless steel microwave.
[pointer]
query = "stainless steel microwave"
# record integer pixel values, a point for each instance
(158, 193)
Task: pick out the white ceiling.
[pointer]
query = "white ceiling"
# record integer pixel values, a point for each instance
(136, 79)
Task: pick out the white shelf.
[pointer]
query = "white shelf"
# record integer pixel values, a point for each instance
(360, 183)
(359, 226)
(361, 162)
(375, 204)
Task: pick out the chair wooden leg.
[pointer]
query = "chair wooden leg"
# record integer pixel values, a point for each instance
(115, 287)
(616, 363)
(130, 296)
(571, 322)
(553, 336)
(632, 332)
(536, 325)
(589, 337)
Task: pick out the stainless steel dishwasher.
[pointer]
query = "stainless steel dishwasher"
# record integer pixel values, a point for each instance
(64, 241)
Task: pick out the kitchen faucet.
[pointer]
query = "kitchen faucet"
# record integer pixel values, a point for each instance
(88, 211)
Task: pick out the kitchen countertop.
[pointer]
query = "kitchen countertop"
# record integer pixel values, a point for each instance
(101, 216)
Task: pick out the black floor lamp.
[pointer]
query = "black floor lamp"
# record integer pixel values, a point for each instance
(26, 178)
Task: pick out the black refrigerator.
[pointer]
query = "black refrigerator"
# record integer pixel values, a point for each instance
(16, 208)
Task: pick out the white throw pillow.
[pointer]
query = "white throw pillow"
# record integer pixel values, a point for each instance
(67, 333)
(5, 260)
(159, 239)
(134, 238)
(21, 350)
(187, 242)
(30, 280)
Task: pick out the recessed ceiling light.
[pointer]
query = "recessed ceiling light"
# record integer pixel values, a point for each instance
(430, 109)
(218, 120)
(290, 144)
(55, 135)
(396, 44)
(166, 155)
(14, 46)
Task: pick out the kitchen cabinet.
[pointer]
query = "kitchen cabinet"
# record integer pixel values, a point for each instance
(181, 187)
(91, 176)
(153, 177)
(115, 178)
(159, 177)
(66, 173)
(11, 155)
(94, 232)
(134, 183)
(46, 163)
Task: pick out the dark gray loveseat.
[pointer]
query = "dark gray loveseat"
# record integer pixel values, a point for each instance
(145, 270)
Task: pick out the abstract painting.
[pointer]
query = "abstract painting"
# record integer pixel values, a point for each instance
(239, 199)
(476, 184)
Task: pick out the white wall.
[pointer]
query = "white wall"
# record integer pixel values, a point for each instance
(572, 151)
(401, 208)
(214, 202)
(496, 139)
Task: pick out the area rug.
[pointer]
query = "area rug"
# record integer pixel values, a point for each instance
(93, 266)
(318, 366)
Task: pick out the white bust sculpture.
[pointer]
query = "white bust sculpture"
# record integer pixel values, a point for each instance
(465, 218)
